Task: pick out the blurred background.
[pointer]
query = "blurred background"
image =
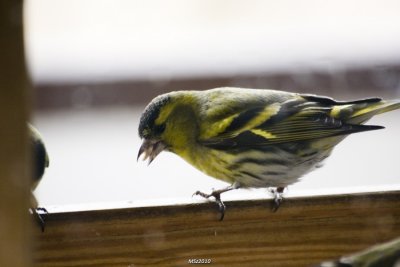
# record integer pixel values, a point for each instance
(95, 64)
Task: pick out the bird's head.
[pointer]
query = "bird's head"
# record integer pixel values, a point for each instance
(165, 124)
(152, 126)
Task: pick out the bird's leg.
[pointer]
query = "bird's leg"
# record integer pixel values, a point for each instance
(39, 214)
(278, 192)
(217, 195)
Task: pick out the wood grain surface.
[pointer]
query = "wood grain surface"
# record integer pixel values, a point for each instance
(304, 232)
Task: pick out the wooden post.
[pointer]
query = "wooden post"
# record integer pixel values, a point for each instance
(14, 161)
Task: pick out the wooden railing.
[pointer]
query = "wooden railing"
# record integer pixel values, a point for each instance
(304, 232)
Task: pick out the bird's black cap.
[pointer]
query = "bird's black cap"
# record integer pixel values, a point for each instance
(150, 114)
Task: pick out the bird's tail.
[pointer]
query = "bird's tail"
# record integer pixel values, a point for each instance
(360, 111)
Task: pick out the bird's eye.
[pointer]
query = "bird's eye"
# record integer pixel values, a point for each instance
(146, 133)
(159, 129)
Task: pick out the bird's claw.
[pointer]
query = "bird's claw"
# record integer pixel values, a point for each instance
(277, 198)
(40, 214)
(222, 208)
(199, 193)
(277, 202)
(43, 210)
(217, 197)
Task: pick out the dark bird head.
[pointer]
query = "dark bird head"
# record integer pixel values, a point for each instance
(152, 126)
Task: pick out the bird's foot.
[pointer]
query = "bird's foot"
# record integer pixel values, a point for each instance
(42, 210)
(40, 214)
(278, 198)
(216, 194)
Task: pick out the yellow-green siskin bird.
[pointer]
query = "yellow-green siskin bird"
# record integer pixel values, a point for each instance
(252, 138)
(40, 160)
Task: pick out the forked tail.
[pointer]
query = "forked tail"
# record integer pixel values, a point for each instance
(360, 111)
(364, 114)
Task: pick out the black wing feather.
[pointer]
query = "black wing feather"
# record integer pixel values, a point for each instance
(297, 120)
(328, 101)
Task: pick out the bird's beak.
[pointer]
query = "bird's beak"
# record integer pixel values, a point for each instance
(151, 148)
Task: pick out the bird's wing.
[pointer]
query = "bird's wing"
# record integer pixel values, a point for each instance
(304, 117)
